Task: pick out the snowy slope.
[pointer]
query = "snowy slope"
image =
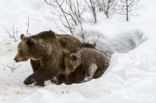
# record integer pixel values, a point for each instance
(130, 77)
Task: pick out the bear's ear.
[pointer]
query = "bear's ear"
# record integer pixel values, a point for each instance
(74, 56)
(30, 42)
(52, 33)
(22, 36)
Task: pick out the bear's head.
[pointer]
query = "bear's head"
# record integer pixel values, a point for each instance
(27, 49)
(71, 61)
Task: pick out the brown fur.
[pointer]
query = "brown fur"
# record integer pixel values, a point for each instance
(45, 53)
(78, 75)
(77, 64)
(89, 45)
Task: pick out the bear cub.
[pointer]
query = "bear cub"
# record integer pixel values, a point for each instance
(89, 60)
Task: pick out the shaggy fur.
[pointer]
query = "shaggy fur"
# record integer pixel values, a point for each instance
(84, 64)
(45, 53)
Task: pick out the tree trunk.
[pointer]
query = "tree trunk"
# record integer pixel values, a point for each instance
(127, 11)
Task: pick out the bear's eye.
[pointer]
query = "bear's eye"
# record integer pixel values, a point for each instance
(73, 58)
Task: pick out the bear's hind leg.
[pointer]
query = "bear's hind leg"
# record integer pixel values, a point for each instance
(91, 71)
(58, 80)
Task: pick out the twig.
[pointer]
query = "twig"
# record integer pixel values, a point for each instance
(27, 30)
(13, 34)
(13, 67)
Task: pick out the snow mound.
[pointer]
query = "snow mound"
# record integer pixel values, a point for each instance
(121, 42)
(44, 96)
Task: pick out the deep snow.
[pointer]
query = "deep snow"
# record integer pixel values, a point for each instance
(129, 78)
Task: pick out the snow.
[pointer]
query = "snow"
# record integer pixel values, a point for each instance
(130, 77)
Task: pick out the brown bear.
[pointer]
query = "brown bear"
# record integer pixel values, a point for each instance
(45, 53)
(84, 64)
(77, 75)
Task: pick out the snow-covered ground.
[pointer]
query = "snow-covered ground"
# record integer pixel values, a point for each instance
(130, 77)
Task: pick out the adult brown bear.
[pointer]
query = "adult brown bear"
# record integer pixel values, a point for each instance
(45, 53)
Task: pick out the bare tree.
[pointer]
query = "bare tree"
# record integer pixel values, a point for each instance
(69, 13)
(125, 7)
(61, 13)
(76, 10)
(13, 34)
(92, 7)
(107, 6)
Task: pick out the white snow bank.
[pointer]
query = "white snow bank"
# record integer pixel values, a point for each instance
(142, 93)
(44, 96)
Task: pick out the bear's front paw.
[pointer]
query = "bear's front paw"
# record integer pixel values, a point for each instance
(29, 80)
(40, 84)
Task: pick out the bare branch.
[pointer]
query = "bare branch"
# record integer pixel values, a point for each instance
(69, 12)
(13, 35)
(13, 67)
(107, 6)
(27, 29)
(92, 7)
(126, 7)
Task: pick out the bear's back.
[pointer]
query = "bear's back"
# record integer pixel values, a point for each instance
(68, 42)
(93, 56)
(45, 35)
(90, 55)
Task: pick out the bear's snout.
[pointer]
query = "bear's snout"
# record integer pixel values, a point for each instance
(16, 60)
